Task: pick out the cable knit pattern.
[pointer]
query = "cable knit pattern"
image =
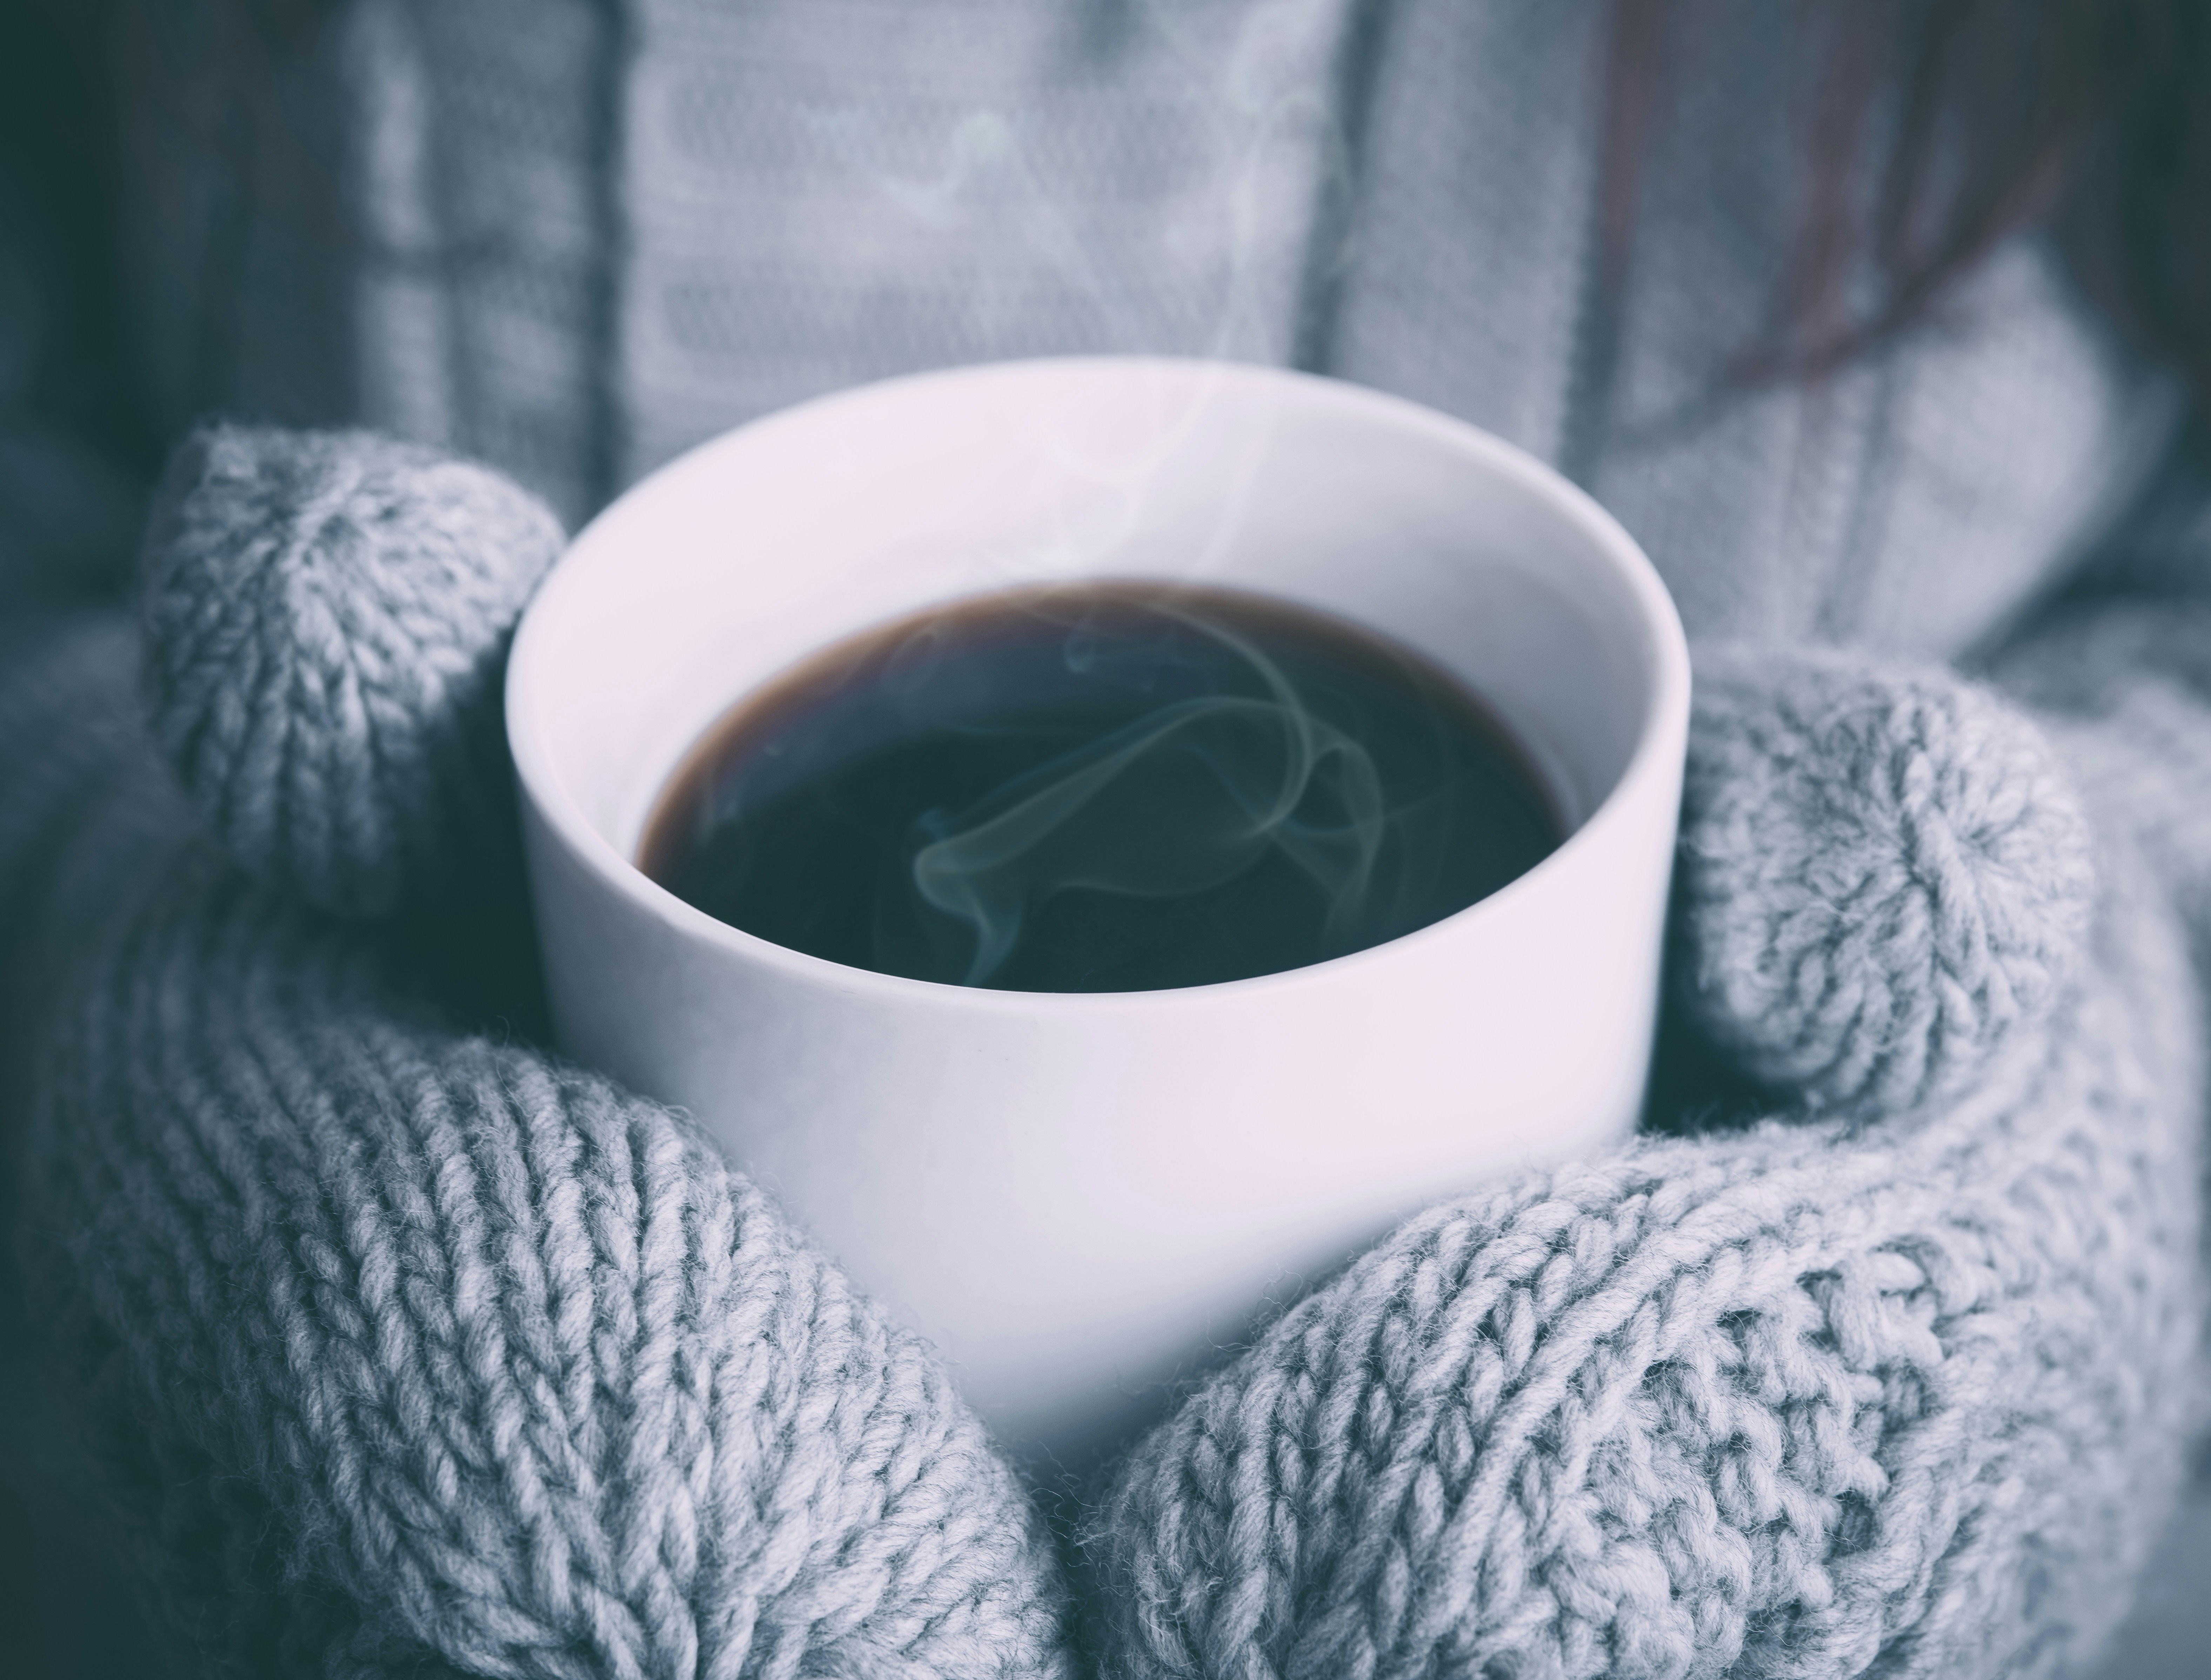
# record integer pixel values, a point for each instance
(327, 617)
(1886, 874)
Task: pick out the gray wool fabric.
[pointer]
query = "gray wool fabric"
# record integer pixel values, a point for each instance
(453, 1358)
(410, 1347)
(1883, 1391)
(309, 755)
(1890, 874)
(1800, 1402)
(407, 1350)
(583, 235)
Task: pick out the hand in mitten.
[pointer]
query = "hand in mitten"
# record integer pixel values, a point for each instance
(1894, 1380)
(413, 1351)
(1877, 1384)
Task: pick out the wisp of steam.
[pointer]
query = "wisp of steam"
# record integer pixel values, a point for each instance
(1112, 786)
(1183, 797)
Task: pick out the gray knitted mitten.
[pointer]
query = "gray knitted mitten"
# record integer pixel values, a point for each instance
(420, 1353)
(414, 1352)
(1897, 1383)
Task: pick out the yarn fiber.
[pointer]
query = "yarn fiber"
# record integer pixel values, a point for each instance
(413, 1352)
(1780, 1405)
(575, 240)
(1820, 1396)
(1887, 873)
(410, 1350)
(326, 617)
(418, 1352)
(2131, 684)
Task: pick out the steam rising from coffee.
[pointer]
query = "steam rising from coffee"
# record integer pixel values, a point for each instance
(1111, 787)
(1240, 776)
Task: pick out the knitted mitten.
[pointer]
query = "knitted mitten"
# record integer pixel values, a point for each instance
(1896, 1381)
(424, 1351)
(410, 1350)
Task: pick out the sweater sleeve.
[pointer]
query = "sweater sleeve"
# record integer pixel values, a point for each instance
(2124, 687)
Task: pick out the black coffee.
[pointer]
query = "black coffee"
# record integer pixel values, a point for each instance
(1112, 788)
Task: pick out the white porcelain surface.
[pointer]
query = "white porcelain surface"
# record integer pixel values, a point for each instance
(1079, 1196)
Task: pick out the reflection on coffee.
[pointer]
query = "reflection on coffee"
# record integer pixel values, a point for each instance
(1104, 788)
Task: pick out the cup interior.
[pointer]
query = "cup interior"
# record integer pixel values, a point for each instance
(756, 550)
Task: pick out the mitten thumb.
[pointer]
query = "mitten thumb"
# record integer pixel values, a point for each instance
(326, 619)
(1884, 875)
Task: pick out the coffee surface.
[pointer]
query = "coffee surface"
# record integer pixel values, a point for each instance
(1104, 788)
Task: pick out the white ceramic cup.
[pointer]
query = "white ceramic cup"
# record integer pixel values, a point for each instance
(1080, 1197)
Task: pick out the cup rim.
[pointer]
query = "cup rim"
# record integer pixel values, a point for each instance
(1664, 717)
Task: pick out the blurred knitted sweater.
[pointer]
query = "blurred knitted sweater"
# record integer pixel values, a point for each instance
(571, 238)
(1900, 1386)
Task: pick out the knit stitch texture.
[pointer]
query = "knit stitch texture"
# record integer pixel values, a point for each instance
(410, 1352)
(326, 622)
(1888, 1393)
(1888, 874)
(439, 1349)
(418, 1352)
(1797, 1402)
